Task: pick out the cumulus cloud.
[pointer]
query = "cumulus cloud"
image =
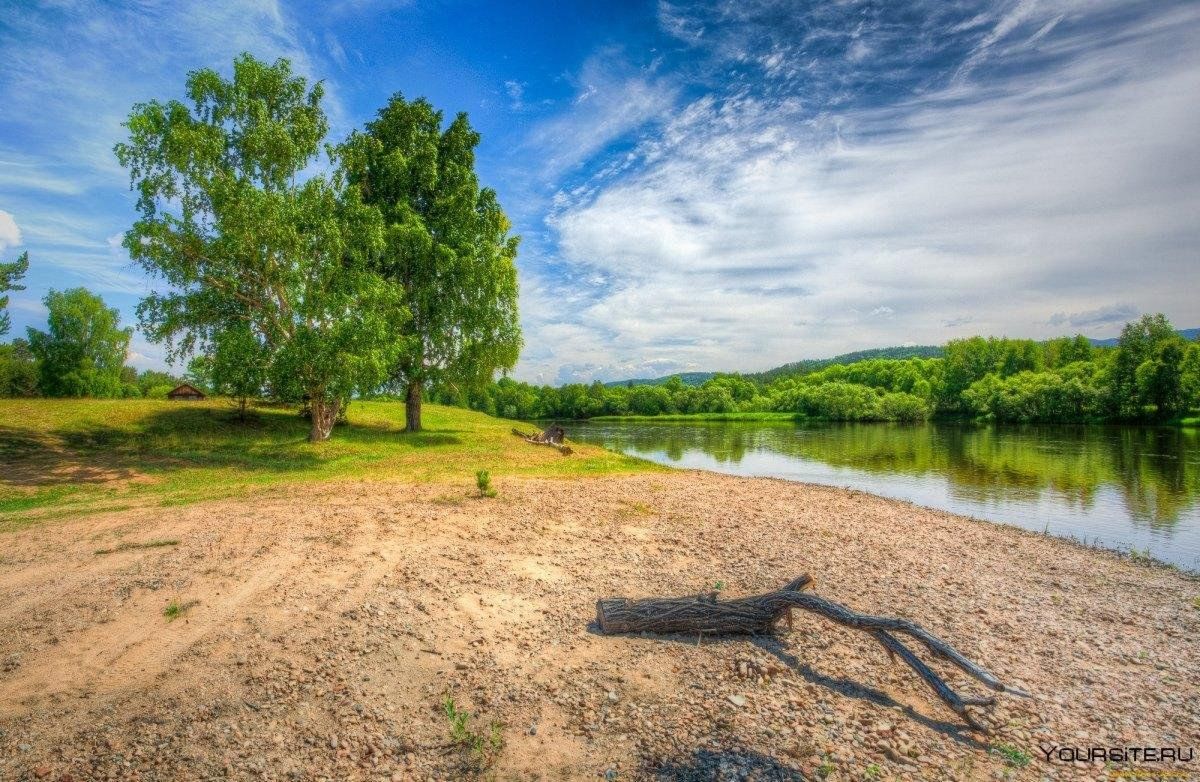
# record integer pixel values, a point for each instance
(1004, 181)
(10, 233)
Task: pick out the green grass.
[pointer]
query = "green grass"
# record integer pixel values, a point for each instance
(177, 608)
(64, 457)
(749, 417)
(481, 749)
(1017, 758)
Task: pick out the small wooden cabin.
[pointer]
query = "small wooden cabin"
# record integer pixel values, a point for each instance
(185, 392)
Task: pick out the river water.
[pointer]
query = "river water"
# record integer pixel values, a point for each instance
(1124, 487)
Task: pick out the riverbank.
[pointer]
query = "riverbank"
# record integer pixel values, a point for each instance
(319, 629)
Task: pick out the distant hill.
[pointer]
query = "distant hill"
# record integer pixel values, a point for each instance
(1111, 342)
(807, 365)
(688, 378)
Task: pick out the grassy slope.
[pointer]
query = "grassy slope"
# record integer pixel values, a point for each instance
(62, 457)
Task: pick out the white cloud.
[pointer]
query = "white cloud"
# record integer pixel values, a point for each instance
(68, 102)
(10, 233)
(613, 100)
(750, 230)
(516, 94)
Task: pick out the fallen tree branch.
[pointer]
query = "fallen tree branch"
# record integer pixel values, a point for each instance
(761, 613)
(552, 437)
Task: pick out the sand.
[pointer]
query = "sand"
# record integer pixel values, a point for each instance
(322, 629)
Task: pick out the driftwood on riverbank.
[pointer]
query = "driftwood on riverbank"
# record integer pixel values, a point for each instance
(552, 436)
(707, 613)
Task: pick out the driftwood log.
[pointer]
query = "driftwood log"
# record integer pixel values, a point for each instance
(708, 614)
(552, 436)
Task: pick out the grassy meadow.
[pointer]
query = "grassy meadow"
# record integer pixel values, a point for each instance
(73, 456)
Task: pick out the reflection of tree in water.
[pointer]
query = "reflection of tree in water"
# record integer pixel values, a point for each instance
(1155, 469)
(725, 443)
(1157, 479)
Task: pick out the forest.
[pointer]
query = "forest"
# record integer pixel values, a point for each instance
(1151, 374)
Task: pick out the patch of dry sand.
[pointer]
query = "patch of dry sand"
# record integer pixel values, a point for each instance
(333, 620)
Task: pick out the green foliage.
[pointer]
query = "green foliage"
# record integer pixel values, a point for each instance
(1020, 381)
(813, 365)
(1139, 343)
(1017, 758)
(447, 245)
(177, 608)
(155, 384)
(1189, 376)
(18, 370)
(238, 365)
(244, 240)
(10, 274)
(1036, 397)
(1159, 378)
(84, 350)
(483, 482)
(481, 749)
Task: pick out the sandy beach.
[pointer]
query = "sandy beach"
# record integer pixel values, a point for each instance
(320, 630)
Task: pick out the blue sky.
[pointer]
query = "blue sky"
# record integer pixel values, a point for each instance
(726, 185)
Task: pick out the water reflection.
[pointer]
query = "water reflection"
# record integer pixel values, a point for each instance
(1126, 486)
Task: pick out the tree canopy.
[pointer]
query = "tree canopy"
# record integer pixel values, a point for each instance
(83, 351)
(10, 274)
(247, 236)
(447, 244)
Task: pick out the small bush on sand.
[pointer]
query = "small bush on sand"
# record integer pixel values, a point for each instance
(480, 750)
(177, 608)
(1017, 758)
(484, 483)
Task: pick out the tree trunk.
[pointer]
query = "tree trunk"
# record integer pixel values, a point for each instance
(412, 407)
(760, 613)
(323, 413)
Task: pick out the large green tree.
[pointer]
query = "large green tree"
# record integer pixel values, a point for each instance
(10, 274)
(447, 245)
(1139, 342)
(83, 351)
(246, 235)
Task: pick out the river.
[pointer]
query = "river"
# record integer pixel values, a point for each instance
(1123, 487)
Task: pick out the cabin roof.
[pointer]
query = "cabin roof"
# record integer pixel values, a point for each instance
(185, 389)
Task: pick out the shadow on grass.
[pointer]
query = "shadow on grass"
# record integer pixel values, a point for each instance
(705, 765)
(31, 458)
(269, 440)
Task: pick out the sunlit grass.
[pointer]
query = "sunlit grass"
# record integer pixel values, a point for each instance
(67, 457)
